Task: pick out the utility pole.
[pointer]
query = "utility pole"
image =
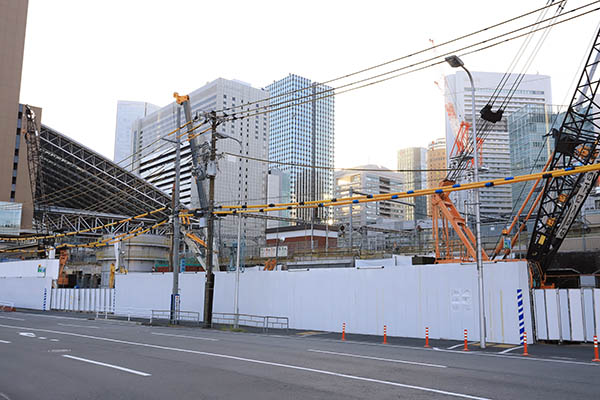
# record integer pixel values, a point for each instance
(351, 212)
(175, 222)
(211, 171)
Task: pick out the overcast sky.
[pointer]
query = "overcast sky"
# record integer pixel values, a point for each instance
(81, 56)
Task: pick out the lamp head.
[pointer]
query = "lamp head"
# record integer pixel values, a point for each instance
(454, 61)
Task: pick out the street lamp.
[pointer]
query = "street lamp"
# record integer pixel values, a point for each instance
(456, 62)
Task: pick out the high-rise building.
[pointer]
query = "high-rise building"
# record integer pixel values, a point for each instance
(496, 202)
(436, 165)
(302, 136)
(412, 161)
(366, 180)
(127, 113)
(530, 146)
(238, 179)
(278, 191)
(15, 190)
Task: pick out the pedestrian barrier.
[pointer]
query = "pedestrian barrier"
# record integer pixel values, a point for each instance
(466, 348)
(99, 300)
(179, 315)
(128, 313)
(426, 336)
(259, 321)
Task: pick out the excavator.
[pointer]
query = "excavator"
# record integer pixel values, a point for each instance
(560, 199)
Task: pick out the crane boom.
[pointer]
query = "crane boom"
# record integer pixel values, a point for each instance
(576, 143)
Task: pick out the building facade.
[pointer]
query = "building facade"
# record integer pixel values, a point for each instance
(412, 164)
(127, 113)
(530, 148)
(278, 191)
(15, 190)
(436, 165)
(366, 180)
(238, 179)
(496, 203)
(302, 136)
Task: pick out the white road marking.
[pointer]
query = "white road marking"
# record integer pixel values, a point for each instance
(378, 358)
(184, 336)
(54, 340)
(42, 338)
(27, 334)
(250, 360)
(131, 371)
(78, 326)
(13, 318)
(59, 351)
(511, 349)
(5, 397)
(4, 341)
(50, 316)
(457, 345)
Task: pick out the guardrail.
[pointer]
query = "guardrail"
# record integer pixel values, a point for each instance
(259, 321)
(192, 316)
(128, 312)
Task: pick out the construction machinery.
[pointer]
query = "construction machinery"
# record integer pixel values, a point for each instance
(559, 202)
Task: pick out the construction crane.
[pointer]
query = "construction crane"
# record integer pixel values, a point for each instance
(577, 143)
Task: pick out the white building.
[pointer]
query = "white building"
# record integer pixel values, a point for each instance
(496, 202)
(127, 113)
(412, 161)
(239, 180)
(303, 135)
(366, 180)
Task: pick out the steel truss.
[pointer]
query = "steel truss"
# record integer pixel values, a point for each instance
(577, 143)
(83, 189)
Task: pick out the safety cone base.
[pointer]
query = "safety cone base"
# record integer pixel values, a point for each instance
(596, 360)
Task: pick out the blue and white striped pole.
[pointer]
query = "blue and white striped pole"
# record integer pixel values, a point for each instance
(521, 314)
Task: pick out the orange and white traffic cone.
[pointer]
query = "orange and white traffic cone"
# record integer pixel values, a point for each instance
(426, 336)
(466, 348)
(596, 358)
(344, 331)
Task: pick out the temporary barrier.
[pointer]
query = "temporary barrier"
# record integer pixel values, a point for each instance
(100, 300)
(567, 314)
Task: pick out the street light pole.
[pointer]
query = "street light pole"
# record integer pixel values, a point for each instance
(456, 62)
(237, 275)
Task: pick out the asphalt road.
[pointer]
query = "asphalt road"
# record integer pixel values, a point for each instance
(58, 357)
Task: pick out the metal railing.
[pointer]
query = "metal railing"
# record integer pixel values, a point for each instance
(259, 321)
(125, 312)
(191, 316)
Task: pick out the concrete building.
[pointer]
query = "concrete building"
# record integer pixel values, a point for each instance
(238, 179)
(436, 164)
(368, 179)
(530, 148)
(15, 189)
(127, 113)
(496, 203)
(413, 162)
(303, 135)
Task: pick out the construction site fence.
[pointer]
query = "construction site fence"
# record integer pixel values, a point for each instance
(100, 300)
(571, 315)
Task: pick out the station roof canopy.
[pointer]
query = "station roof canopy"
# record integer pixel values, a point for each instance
(75, 180)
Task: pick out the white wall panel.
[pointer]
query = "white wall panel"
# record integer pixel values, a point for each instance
(26, 292)
(575, 313)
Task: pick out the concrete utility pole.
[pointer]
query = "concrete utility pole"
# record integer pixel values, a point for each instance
(175, 222)
(211, 171)
(236, 307)
(351, 226)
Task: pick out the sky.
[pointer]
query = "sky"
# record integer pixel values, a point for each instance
(82, 56)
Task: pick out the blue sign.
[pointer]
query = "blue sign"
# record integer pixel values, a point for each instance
(182, 265)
